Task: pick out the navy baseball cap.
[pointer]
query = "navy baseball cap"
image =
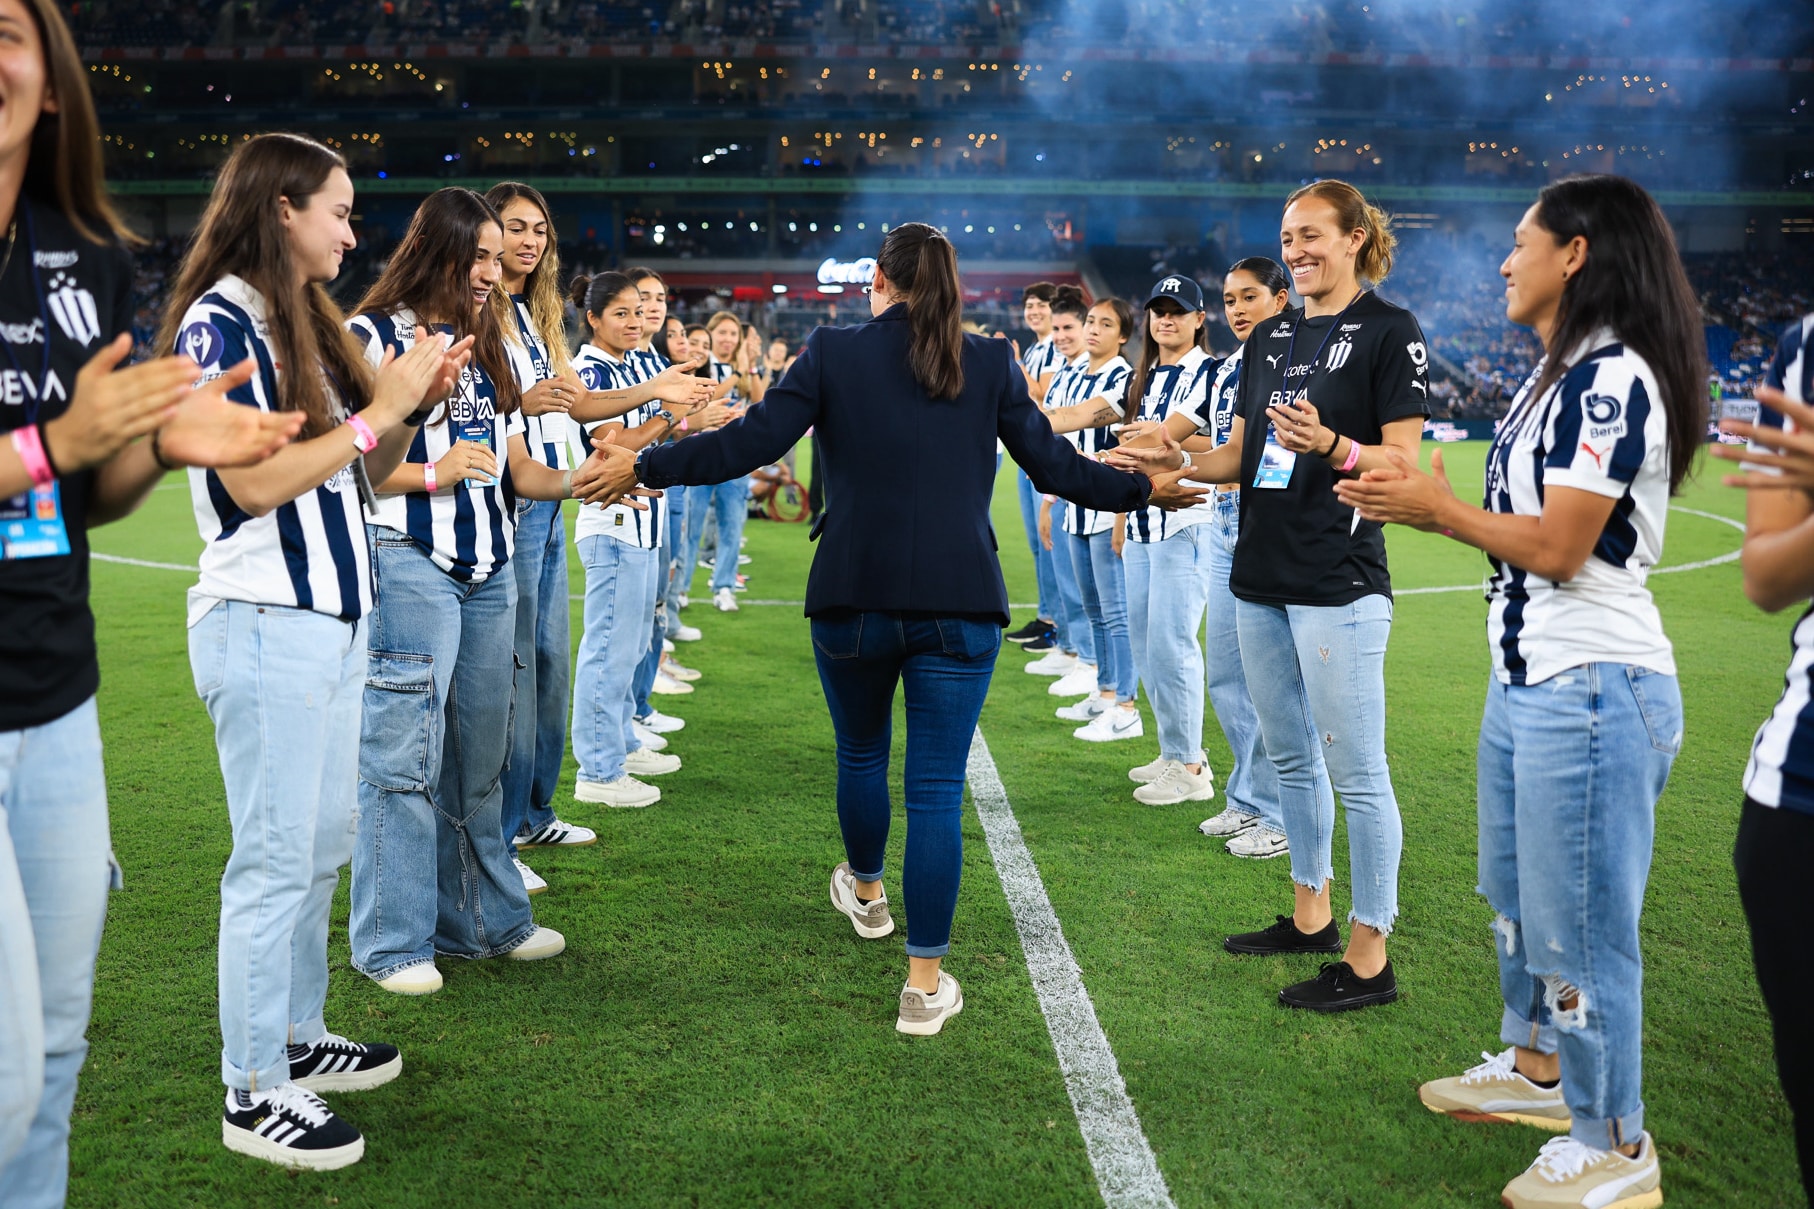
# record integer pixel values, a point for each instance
(1180, 289)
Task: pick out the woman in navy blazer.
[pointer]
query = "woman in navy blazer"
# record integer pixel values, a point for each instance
(906, 587)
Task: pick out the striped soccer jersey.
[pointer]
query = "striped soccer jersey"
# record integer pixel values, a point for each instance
(1041, 359)
(1174, 390)
(599, 370)
(1080, 385)
(1600, 429)
(309, 553)
(549, 436)
(468, 529)
(1781, 769)
(1224, 399)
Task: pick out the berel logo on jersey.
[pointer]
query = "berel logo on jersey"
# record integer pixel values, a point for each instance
(74, 310)
(202, 343)
(1601, 409)
(1420, 356)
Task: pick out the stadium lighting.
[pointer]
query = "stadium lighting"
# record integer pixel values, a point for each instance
(778, 288)
(831, 289)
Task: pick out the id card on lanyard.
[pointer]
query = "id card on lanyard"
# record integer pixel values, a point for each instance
(32, 524)
(1276, 461)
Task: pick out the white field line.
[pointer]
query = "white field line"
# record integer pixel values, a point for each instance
(1127, 1174)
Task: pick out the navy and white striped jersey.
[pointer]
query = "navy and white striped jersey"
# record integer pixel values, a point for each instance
(722, 370)
(1600, 429)
(310, 553)
(1041, 359)
(1781, 769)
(1080, 385)
(1224, 399)
(548, 436)
(468, 529)
(647, 362)
(599, 370)
(1174, 390)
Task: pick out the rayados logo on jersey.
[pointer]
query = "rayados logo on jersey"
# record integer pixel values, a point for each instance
(55, 260)
(74, 310)
(593, 376)
(202, 343)
(1339, 353)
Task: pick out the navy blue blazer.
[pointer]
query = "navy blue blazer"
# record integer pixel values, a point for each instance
(909, 477)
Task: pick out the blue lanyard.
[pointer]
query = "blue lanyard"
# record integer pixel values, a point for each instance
(1292, 348)
(34, 395)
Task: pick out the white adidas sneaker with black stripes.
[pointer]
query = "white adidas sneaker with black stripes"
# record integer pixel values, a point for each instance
(290, 1126)
(336, 1064)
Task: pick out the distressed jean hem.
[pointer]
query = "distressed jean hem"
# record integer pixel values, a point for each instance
(1384, 929)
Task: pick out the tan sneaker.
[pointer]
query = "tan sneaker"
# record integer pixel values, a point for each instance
(871, 919)
(923, 1015)
(1572, 1175)
(1495, 1091)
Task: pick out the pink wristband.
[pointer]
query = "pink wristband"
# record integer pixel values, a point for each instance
(1353, 458)
(683, 421)
(364, 439)
(428, 477)
(31, 451)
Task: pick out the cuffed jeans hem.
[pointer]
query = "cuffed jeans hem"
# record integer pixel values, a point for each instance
(869, 877)
(494, 950)
(379, 975)
(1610, 1132)
(1516, 1030)
(1384, 929)
(929, 950)
(309, 1032)
(258, 1080)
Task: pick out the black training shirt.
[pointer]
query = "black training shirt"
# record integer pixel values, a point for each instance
(47, 653)
(1299, 544)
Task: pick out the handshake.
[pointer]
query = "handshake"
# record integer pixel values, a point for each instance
(1147, 448)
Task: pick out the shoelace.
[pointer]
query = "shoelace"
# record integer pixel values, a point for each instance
(300, 1103)
(335, 1041)
(1496, 1067)
(1564, 1158)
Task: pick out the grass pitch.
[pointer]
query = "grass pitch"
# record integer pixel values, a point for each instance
(715, 1034)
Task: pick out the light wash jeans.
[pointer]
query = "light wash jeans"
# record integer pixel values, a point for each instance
(1167, 593)
(1075, 636)
(667, 598)
(1252, 785)
(729, 503)
(620, 595)
(1102, 581)
(1569, 777)
(285, 688)
(538, 742)
(55, 868)
(431, 871)
(1042, 558)
(1317, 675)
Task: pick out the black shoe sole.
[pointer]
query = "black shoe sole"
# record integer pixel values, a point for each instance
(1241, 950)
(1376, 999)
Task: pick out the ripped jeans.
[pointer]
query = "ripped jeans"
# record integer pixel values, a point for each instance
(1569, 775)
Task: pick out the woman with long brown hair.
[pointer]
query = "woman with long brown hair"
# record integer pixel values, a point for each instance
(81, 443)
(906, 589)
(431, 871)
(277, 621)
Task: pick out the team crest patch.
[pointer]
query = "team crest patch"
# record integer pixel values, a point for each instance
(202, 343)
(592, 376)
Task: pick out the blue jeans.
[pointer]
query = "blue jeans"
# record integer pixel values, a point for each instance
(1317, 675)
(1569, 776)
(730, 503)
(1075, 636)
(55, 867)
(285, 689)
(431, 871)
(945, 664)
(667, 598)
(538, 741)
(620, 594)
(1167, 593)
(1252, 785)
(1042, 559)
(1102, 581)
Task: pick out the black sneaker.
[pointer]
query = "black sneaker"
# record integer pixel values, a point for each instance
(1337, 988)
(1284, 937)
(336, 1064)
(1028, 632)
(1045, 642)
(289, 1126)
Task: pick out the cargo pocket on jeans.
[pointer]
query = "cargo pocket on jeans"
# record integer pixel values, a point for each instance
(963, 639)
(399, 716)
(839, 636)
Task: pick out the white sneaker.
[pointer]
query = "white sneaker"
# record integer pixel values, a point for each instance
(681, 600)
(1084, 710)
(660, 723)
(645, 763)
(1231, 822)
(1080, 679)
(665, 685)
(543, 942)
(923, 1015)
(743, 560)
(685, 675)
(625, 791)
(1260, 843)
(667, 646)
(1147, 773)
(422, 979)
(648, 738)
(1110, 725)
(533, 882)
(1056, 663)
(724, 601)
(685, 633)
(871, 919)
(1178, 784)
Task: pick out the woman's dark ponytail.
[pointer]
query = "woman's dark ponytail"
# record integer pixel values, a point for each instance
(921, 264)
(576, 290)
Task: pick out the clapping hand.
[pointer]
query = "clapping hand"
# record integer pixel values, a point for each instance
(212, 430)
(1401, 494)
